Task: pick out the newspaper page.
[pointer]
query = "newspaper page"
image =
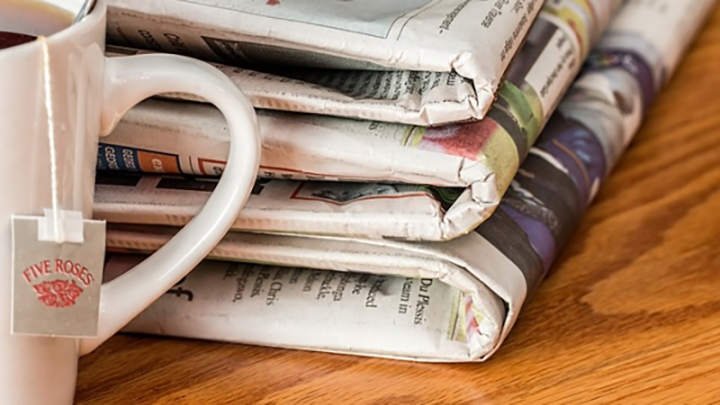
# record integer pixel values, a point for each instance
(500, 264)
(342, 209)
(410, 318)
(400, 96)
(480, 157)
(355, 39)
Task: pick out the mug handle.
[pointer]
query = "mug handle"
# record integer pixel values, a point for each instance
(130, 80)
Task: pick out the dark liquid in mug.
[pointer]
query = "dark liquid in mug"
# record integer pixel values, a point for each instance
(8, 39)
(22, 21)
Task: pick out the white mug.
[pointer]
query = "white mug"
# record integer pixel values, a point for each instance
(90, 94)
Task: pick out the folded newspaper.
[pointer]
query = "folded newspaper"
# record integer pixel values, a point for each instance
(364, 57)
(450, 301)
(480, 157)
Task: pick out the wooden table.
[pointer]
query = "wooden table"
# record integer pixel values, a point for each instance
(630, 313)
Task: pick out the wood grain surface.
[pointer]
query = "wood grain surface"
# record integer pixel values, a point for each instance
(629, 314)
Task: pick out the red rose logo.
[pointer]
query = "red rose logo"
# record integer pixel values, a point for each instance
(58, 293)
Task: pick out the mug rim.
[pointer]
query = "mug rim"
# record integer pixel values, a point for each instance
(96, 16)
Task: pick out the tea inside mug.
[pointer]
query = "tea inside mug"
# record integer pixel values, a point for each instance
(22, 21)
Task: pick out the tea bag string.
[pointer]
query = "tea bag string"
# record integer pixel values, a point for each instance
(47, 84)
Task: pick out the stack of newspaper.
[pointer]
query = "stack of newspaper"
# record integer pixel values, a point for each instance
(411, 236)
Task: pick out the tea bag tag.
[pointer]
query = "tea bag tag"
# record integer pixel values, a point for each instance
(57, 274)
(57, 258)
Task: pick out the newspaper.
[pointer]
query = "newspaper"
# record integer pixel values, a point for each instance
(450, 301)
(480, 157)
(365, 56)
